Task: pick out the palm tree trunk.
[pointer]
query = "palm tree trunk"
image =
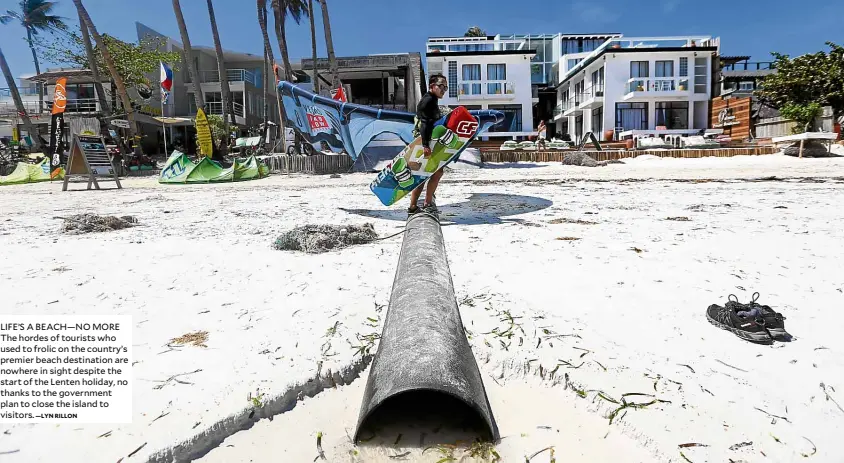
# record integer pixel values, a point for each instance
(188, 53)
(313, 44)
(13, 89)
(279, 15)
(228, 106)
(329, 45)
(95, 70)
(115, 76)
(266, 89)
(37, 70)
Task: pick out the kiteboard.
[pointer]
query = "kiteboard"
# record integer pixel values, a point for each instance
(411, 168)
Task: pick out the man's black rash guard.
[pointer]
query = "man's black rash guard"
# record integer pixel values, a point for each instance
(428, 112)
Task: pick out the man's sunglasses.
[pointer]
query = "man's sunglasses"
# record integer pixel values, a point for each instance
(442, 86)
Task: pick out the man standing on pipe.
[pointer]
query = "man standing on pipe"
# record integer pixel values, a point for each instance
(428, 112)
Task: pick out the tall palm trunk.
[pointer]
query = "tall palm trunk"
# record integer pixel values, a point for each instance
(262, 9)
(329, 45)
(228, 106)
(115, 76)
(313, 44)
(268, 58)
(13, 89)
(37, 70)
(188, 53)
(280, 33)
(95, 70)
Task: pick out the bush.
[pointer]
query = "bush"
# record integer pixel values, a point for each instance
(804, 115)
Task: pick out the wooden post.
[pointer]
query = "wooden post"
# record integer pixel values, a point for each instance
(801, 147)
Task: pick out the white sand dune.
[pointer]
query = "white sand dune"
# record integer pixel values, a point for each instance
(619, 310)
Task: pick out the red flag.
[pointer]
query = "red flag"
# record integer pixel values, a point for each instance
(339, 94)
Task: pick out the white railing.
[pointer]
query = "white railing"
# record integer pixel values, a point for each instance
(594, 91)
(81, 105)
(658, 84)
(486, 89)
(216, 107)
(232, 75)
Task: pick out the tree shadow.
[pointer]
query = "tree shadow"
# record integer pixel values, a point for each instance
(478, 209)
(512, 165)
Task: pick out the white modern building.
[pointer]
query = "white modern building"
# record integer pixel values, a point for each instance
(486, 73)
(633, 87)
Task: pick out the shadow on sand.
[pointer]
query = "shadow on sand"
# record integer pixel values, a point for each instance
(480, 208)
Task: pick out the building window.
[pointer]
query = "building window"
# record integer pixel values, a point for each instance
(578, 127)
(673, 115)
(638, 69)
(598, 82)
(471, 73)
(700, 75)
(496, 72)
(598, 121)
(664, 69)
(572, 63)
(512, 118)
(684, 67)
(747, 86)
(452, 79)
(631, 116)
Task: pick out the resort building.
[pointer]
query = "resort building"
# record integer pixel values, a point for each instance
(629, 87)
(487, 73)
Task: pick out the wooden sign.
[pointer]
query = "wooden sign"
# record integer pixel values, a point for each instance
(733, 116)
(89, 160)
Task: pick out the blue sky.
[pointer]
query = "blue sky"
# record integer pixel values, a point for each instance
(754, 27)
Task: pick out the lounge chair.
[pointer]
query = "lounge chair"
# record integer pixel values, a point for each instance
(557, 144)
(650, 143)
(509, 145)
(527, 146)
(698, 142)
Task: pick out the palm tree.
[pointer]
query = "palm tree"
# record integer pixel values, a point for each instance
(281, 9)
(34, 16)
(313, 44)
(115, 76)
(228, 106)
(188, 53)
(93, 65)
(475, 31)
(329, 45)
(268, 51)
(13, 88)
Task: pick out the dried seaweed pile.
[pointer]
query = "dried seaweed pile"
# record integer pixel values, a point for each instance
(89, 223)
(314, 239)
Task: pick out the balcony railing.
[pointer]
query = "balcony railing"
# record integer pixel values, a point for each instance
(594, 91)
(80, 105)
(216, 108)
(233, 75)
(486, 89)
(658, 84)
(750, 66)
(23, 91)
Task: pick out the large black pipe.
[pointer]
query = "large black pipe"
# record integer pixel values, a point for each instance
(423, 346)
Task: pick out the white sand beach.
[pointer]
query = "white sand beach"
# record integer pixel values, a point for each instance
(606, 271)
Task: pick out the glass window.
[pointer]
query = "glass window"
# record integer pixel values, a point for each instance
(673, 115)
(471, 72)
(684, 67)
(639, 69)
(665, 69)
(512, 118)
(598, 121)
(496, 72)
(452, 79)
(747, 86)
(701, 82)
(631, 116)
